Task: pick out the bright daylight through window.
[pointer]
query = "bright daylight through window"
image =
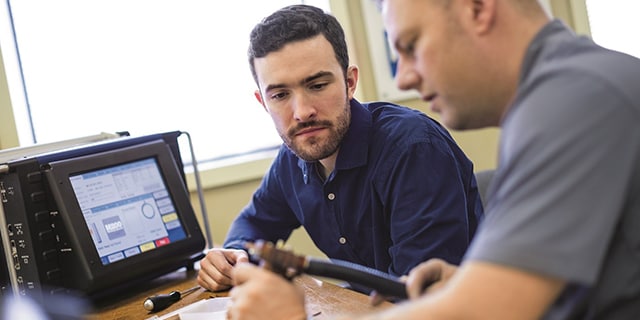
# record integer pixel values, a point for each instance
(144, 66)
(614, 23)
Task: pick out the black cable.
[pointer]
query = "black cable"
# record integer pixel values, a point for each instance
(377, 280)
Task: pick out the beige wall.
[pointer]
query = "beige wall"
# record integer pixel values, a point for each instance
(8, 132)
(573, 13)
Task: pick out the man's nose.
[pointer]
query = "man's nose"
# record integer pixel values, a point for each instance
(406, 78)
(303, 107)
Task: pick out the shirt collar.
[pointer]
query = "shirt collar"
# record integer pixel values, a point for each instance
(540, 49)
(551, 32)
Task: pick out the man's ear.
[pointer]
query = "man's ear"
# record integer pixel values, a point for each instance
(258, 96)
(484, 14)
(352, 81)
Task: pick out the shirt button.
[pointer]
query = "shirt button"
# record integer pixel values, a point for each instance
(331, 196)
(342, 240)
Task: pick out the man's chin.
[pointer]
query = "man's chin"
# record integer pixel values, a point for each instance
(459, 124)
(306, 155)
(313, 155)
(451, 122)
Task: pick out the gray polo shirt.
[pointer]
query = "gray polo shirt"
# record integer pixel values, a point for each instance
(565, 199)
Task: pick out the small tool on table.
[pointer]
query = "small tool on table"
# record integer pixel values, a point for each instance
(161, 301)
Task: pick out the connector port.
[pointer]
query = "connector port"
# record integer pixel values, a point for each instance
(3, 192)
(14, 254)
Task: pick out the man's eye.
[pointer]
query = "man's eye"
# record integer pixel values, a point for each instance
(318, 86)
(278, 96)
(407, 48)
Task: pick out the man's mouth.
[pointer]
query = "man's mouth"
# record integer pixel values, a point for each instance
(430, 97)
(308, 130)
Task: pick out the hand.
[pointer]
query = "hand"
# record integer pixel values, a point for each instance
(216, 268)
(435, 272)
(260, 294)
(375, 298)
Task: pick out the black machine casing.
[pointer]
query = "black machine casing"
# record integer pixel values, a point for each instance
(46, 242)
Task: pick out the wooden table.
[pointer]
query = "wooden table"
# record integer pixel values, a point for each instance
(323, 299)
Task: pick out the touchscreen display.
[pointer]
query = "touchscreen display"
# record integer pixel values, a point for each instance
(127, 208)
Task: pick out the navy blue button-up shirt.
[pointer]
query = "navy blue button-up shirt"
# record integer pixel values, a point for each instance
(402, 192)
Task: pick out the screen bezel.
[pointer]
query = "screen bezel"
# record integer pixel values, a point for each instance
(86, 271)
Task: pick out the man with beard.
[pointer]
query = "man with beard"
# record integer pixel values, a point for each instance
(375, 184)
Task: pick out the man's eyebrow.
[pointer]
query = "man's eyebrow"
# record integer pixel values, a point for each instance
(274, 86)
(316, 76)
(303, 82)
(399, 43)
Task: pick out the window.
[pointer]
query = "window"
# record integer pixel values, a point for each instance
(613, 24)
(144, 66)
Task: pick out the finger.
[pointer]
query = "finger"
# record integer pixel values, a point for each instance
(242, 257)
(236, 256)
(243, 271)
(213, 284)
(222, 263)
(243, 301)
(215, 271)
(376, 298)
(422, 276)
(219, 267)
(230, 312)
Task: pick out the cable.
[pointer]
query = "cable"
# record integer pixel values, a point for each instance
(203, 209)
(289, 265)
(383, 283)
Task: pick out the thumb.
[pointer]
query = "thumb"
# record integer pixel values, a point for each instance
(242, 256)
(376, 298)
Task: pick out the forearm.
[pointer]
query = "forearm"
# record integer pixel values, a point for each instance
(481, 291)
(245, 228)
(424, 308)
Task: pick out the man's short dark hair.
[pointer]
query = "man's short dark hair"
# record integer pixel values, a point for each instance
(296, 23)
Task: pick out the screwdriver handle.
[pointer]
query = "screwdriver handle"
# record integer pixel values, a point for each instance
(161, 301)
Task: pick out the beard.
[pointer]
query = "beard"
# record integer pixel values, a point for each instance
(314, 148)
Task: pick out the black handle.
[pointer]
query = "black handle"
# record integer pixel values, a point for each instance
(161, 301)
(383, 283)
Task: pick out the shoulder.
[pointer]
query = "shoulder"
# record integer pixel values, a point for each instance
(404, 125)
(578, 73)
(576, 83)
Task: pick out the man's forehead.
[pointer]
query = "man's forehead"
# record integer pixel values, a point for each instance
(398, 15)
(278, 77)
(394, 16)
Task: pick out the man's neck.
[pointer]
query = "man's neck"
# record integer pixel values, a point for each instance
(327, 165)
